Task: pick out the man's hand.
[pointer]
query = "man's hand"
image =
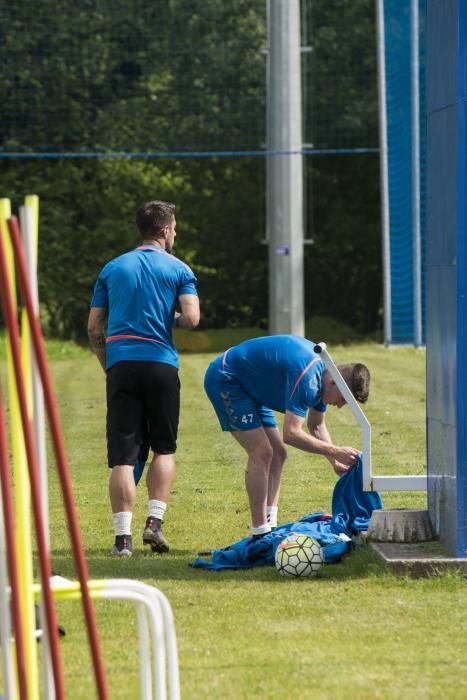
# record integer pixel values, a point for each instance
(338, 467)
(345, 456)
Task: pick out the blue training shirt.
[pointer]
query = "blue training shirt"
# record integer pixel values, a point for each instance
(282, 372)
(139, 290)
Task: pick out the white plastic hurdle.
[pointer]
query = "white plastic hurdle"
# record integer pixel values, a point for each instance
(155, 620)
(370, 482)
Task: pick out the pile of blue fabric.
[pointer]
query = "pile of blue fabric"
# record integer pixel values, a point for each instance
(351, 512)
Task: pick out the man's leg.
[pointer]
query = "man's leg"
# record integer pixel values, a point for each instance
(122, 492)
(258, 447)
(162, 409)
(160, 477)
(124, 421)
(279, 455)
(159, 480)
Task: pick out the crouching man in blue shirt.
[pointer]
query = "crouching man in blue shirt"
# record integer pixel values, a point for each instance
(279, 373)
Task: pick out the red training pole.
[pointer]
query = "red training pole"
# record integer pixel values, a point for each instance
(60, 455)
(8, 515)
(33, 469)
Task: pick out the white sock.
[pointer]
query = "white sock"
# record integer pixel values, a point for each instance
(261, 529)
(156, 509)
(272, 515)
(122, 523)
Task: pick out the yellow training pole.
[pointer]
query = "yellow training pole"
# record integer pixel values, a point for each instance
(24, 532)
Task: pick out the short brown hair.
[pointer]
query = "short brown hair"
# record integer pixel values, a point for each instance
(151, 217)
(357, 378)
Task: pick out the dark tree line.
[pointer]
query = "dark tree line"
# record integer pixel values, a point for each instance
(177, 76)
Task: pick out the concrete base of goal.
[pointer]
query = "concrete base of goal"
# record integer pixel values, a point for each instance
(400, 525)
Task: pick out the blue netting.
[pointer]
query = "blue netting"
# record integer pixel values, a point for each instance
(398, 96)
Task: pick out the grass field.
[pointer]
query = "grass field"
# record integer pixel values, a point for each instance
(356, 632)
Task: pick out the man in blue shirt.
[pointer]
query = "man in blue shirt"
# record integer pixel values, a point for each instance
(279, 373)
(135, 296)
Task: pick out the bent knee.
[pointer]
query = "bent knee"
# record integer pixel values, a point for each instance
(263, 455)
(280, 453)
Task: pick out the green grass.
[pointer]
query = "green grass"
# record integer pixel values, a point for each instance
(355, 632)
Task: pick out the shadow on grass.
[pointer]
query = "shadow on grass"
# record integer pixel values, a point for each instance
(176, 566)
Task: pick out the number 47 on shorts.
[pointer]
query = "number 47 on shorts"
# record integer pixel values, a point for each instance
(247, 418)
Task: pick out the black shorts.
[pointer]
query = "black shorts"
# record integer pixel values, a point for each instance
(143, 407)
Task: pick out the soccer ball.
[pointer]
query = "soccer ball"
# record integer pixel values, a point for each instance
(299, 555)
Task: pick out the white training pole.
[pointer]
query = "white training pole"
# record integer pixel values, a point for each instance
(28, 227)
(370, 482)
(356, 410)
(26, 217)
(144, 645)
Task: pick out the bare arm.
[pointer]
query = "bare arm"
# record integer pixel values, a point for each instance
(189, 317)
(316, 423)
(96, 332)
(317, 426)
(318, 440)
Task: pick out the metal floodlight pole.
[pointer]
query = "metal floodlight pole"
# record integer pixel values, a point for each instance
(285, 169)
(415, 110)
(383, 160)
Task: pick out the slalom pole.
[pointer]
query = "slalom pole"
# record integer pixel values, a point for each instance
(60, 454)
(45, 568)
(22, 490)
(9, 521)
(29, 223)
(6, 645)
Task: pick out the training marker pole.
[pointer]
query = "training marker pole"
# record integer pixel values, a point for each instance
(29, 223)
(22, 492)
(60, 454)
(9, 518)
(45, 568)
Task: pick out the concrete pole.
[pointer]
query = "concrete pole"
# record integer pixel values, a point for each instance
(383, 164)
(285, 169)
(415, 126)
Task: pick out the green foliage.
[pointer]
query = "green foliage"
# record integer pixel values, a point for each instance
(110, 76)
(343, 266)
(87, 217)
(87, 212)
(339, 74)
(184, 75)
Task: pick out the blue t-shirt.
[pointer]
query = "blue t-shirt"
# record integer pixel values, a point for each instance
(139, 290)
(282, 372)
